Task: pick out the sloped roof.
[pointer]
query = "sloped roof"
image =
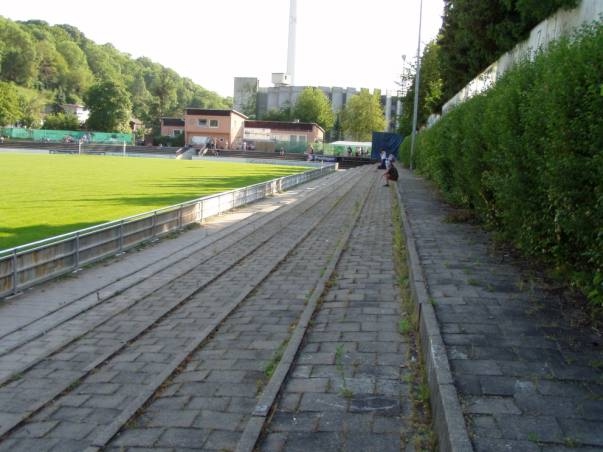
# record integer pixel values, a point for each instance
(172, 121)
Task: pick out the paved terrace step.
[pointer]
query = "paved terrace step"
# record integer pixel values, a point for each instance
(37, 307)
(208, 402)
(525, 377)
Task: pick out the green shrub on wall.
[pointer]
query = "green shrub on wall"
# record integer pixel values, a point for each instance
(527, 156)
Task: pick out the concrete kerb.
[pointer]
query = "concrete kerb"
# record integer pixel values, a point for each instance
(448, 420)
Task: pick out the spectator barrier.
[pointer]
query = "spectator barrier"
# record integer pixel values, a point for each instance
(27, 265)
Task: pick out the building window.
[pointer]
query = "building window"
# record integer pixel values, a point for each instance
(213, 123)
(176, 132)
(292, 138)
(202, 122)
(301, 138)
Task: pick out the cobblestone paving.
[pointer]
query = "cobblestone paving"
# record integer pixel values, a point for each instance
(103, 376)
(217, 390)
(347, 389)
(527, 379)
(100, 397)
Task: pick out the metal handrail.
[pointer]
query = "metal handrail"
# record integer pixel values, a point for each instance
(26, 265)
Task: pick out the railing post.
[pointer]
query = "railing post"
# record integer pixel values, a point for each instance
(77, 250)
(14, 270)
(180, 217)
(153, 223)
(121, 236)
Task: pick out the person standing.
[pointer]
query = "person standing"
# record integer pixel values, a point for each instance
(311, 153)
(383, 157)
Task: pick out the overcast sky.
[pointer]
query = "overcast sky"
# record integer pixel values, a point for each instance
(357, 44)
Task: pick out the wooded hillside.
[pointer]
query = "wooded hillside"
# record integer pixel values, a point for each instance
(43, 65)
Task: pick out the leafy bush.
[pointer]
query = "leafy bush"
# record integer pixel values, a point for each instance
(61, 121)
(527, 156)
(166, 140)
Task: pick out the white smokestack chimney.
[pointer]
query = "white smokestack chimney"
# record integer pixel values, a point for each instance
(291, 43)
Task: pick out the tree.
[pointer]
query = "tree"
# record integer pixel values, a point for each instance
(51, 65)
(61, 121)
(363, 115)
(474, 34)
(110, 107)
(141, 98)
(31, 104)
(17, 54)
(430, 89)
(336, 133)
(313, 106)
(163, 86)
(73, 33)
(284, 114)
(101, 61)
(78, 79)
(9, 104)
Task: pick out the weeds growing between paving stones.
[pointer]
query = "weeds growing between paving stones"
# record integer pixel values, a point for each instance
(423, 438)
(345, 391)
(276, 358)
(533, 437)
(404, 326)
(596, 364)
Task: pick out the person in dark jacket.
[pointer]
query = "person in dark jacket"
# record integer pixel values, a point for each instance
(391, 173)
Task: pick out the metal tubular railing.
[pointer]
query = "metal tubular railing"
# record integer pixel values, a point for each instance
(27, 265)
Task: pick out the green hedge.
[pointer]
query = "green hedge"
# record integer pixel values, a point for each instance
(527, 156)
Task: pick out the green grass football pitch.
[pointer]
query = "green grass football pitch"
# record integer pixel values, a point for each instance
(47, 195)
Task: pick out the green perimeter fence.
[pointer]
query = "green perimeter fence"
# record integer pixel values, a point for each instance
(336, 150)
(65, 136)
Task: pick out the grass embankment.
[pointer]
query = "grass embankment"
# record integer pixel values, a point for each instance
(48, 195)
